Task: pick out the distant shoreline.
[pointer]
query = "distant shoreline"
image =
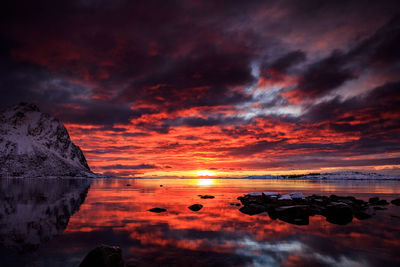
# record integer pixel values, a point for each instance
(340, 176)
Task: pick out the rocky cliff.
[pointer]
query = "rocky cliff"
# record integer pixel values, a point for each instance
(34, 144)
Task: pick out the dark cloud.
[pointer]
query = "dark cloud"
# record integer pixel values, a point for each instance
(200, 122)
(373, 104)
(381, 49)
(378, 51)
(128, 167)
(282, 64)
(255, 148)
(325, 75)
(100, 114)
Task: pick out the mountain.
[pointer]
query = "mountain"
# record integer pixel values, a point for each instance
(34, 144)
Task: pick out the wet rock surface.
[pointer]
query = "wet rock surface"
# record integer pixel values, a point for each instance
(295, 208)
(396, 201)
(157, 210)
(103, 256)
(206, 196)
(252, 209)
(195, 207)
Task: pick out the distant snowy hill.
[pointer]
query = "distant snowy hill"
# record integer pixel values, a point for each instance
(35, 144)
(349, 175)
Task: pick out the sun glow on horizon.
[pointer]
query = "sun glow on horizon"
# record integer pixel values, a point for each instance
(205, 173)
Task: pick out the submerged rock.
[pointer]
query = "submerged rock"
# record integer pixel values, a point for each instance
(206, 196)
(196, 207)
(103, 256)
(396, 201)
(338, 213)
(363, 214)
(157, 210)
(382, 202)
(294, 214)
(373, 200)
(252, 209)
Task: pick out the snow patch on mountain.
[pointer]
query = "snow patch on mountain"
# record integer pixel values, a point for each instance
(34, 144)
(348, 175)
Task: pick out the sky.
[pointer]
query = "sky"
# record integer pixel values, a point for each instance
(224, 88)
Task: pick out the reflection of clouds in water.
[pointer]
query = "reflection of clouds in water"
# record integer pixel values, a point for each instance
(218, 235)
(342, 261)
(262, 253)
(291, 253)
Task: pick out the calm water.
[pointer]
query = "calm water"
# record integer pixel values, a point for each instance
(55, 222)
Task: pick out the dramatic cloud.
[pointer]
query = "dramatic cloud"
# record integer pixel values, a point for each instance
(222, 85)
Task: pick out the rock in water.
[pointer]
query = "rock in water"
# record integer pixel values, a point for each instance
(298, 214)
(396, 201)
(206, 196)
(196, 207)
(34, 144)
(252, 209)
(157, 210)
(103, 256)
(338, 213)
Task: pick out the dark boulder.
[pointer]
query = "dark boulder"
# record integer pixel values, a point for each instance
(103, 256)
(363, 214)
(373, 200)
(382, 202)
(338, 213)
(157, 210)
(396, 201)
(252, 209)
(206, 196)
(298, 214)
(196, 207)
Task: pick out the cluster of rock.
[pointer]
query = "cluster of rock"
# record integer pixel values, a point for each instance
(295, 208)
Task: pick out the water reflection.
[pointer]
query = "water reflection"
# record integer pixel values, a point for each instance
(218, 234)
(205, 182)
(32, 211)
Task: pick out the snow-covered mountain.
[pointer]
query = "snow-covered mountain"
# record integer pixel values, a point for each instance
(35, 144)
